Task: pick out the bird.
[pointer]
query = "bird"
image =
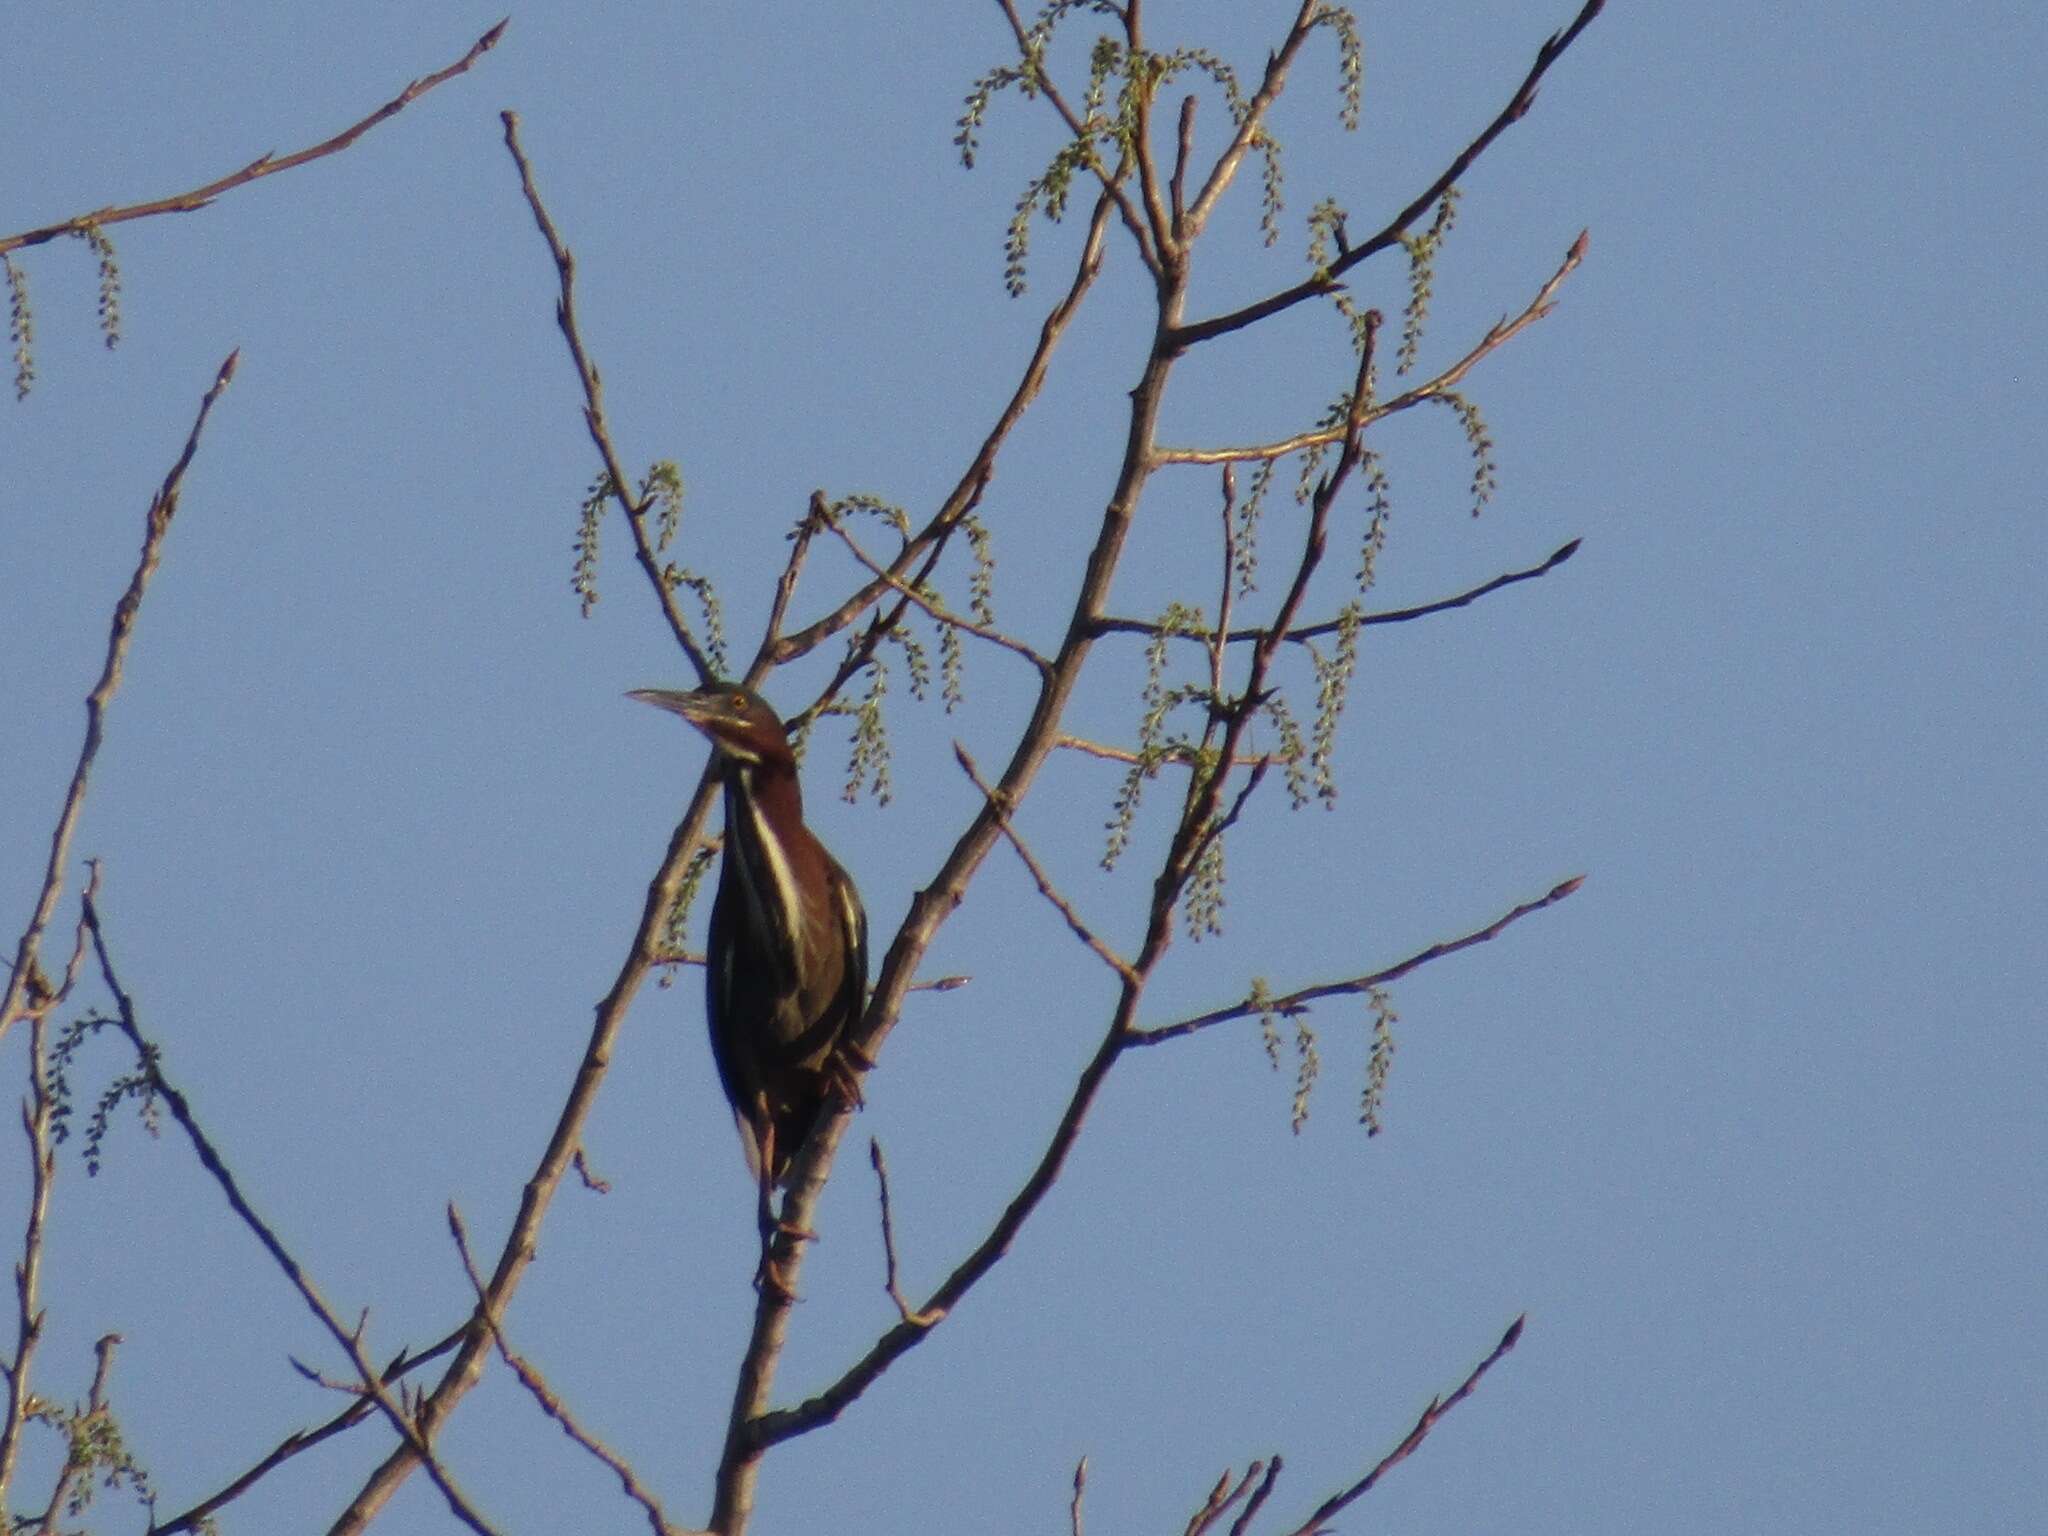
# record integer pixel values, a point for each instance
(786, 964)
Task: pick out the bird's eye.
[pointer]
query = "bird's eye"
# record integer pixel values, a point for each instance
(739, 701)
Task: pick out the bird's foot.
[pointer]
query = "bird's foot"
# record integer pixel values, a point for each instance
(768, 1276)
(843, 1070)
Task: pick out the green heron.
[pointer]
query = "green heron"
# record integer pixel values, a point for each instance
(786, 968)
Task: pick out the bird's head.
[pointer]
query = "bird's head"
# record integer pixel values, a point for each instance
(740, 723)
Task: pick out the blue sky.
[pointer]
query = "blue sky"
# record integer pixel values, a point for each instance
(1750, 1127)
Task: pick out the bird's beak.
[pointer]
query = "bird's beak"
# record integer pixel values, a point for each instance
(708, 709)
(701, 709)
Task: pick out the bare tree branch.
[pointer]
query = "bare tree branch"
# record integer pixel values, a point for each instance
(370, 1384)
(261, 166)
(303, 1440)
(1177, 755)
(1295, 1002)
(550, 1403)
(26, 987)
(1221, 1498)
(1319, 1521)
(1306, 632)
(1270, 85)
(521, 1242)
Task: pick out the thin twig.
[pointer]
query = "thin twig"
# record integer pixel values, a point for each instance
(1328, 279)
(1243, 1522)
(1184, 757)
(1497, 336)
(1502, 332)
(1225, 1494)
(938, 611)
(929, 1316)
(1080, 1489)
(593, 408)
(263, 165)
(1295, 1002)
(1270, 85)
(1113, 182)
(26, 988)
(38, 1114)
(1184, 149)
(75, 1469)
(551, 1404)
(1319, 1521)
(1065, 908)
(303, 1440)
(1306, 632)
(967, 490)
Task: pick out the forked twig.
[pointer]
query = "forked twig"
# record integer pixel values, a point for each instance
(928, 1316)
(937, 611)
(1065, 908)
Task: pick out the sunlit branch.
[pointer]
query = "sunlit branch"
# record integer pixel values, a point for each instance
(1185, 757)
(930, 539)
(38, 1117)
(522, 1241)
(1243, 1522)
(1222, 1497)
(1502, 332)
(1270, 85)
(263, 165)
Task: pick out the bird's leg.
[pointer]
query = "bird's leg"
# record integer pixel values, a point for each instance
(767, 1274)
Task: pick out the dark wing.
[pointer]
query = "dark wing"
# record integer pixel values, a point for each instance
(723, 1006)
(852, 1000)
